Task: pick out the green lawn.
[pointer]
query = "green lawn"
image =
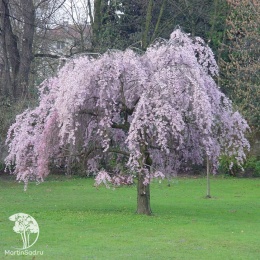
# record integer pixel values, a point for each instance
(78, 221)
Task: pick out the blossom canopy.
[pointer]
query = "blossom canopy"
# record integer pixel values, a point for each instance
(152, 113)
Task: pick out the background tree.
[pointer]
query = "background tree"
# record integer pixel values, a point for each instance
(109, 26)
(17, 58)
(19, 21)
(216, 31)
(60, 35)
(125, 23)
(139, 23)
(152, 114)
(240, 66)
(77, 16)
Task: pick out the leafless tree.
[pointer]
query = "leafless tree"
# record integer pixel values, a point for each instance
(18, 24)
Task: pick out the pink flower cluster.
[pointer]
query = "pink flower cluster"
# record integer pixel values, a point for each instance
(103, 177)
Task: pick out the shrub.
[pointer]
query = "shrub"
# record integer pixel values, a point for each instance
(225, 163)
(251, 167)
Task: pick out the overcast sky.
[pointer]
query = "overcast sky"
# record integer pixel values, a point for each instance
(76, 10)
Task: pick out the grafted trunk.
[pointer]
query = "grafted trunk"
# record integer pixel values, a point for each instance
(143, 197)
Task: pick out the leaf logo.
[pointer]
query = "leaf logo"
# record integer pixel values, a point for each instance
(25, 225)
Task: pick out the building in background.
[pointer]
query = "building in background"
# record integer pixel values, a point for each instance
(68, 39)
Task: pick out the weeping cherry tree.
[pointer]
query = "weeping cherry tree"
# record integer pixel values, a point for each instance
(153, 114)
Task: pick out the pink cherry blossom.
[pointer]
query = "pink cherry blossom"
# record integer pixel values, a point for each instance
(155, 112)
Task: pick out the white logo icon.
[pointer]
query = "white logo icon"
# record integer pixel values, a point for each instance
(25, 225)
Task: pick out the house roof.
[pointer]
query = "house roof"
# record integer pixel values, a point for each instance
(68, 31)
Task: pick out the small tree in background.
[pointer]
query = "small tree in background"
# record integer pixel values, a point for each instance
(153, 114)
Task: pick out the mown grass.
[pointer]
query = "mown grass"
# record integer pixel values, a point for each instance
(78, 221)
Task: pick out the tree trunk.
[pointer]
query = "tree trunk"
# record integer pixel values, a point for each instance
(97, 21)
(18, 52)
(90, 13)
(213, 19)
(143, 197)
(26, 54)
(5, 76)
(158, 21)
(143, 191)
(147, 25)
(10, 45)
